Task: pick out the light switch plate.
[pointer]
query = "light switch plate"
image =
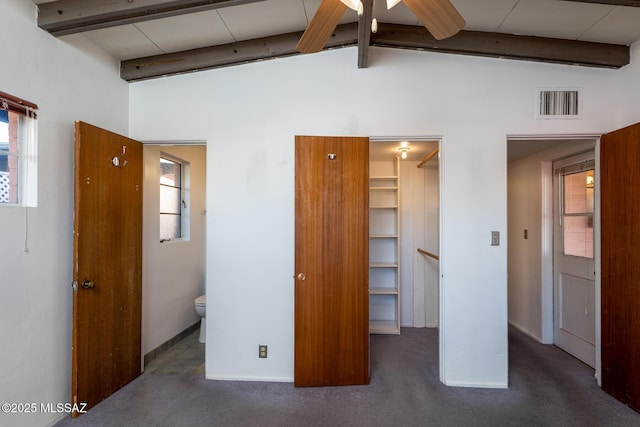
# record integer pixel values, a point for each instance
(495, 238)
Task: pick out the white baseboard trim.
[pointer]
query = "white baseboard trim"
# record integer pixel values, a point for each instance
(256, 379)
(475, 385)
(524, 331)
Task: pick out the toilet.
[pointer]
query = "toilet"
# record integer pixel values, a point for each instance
(201, 309)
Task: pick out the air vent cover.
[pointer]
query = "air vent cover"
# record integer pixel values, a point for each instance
(563, 103)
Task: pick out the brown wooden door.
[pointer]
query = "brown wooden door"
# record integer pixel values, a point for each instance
(107, 263)
(331, 261)
(620, 207)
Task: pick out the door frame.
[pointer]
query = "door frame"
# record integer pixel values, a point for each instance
(547, 285)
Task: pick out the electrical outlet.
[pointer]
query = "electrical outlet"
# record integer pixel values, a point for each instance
(262, 351)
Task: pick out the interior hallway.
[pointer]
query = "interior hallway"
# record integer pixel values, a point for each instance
(547, 387)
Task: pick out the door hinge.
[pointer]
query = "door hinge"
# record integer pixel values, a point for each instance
(74, 286)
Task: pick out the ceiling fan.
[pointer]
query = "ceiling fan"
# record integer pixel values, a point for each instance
(440, 17)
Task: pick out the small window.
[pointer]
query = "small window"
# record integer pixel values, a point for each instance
(18, 168)
(578, 213)
(173, 198)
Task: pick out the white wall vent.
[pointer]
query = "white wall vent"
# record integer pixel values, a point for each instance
(565, 103)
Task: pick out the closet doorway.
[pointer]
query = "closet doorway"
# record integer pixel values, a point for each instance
(404, 216)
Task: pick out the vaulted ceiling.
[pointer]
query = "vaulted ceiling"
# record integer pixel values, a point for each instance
(154, 38)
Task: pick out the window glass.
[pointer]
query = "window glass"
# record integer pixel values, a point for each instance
(8, 157)
(169, 227)
(170, 199)
(578, 213)
(170, 172)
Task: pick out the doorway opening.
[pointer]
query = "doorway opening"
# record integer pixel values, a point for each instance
(173, 255)
(540, 303)
(404, 217)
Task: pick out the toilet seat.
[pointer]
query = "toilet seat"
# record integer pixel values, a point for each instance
(201, 301)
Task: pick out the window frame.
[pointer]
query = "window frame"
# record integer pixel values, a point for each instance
(183, 198)
(25, 153)
(578, 168)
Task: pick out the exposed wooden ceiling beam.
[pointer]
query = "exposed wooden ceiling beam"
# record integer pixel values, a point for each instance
(364, 34)
(500, 45)
(632, 3)
(389, 35)
(74, 16)
(228, 54)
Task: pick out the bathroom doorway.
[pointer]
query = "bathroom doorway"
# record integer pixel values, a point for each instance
(173, 246)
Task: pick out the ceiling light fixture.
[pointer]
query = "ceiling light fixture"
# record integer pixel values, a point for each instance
(404, 149)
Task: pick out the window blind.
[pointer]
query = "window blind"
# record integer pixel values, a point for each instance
(17, 105)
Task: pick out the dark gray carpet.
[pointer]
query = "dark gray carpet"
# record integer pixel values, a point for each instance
(547, 388)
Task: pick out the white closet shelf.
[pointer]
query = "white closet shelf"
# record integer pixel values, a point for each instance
(383, 265)
(383, 327)
(383, 291)
(384, 241)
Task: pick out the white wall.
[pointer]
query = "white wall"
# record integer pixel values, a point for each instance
(173, 272)
(419, 199)
(249, 115)
(628, 90)
(35, 307)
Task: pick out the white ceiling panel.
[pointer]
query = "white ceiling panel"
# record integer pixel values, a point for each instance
(184, 32)
(399, 14)
(553, 18)
(124, 42)
(621, 26)
(264, 18)
(543, 18)
(310, 7)
(484, 15)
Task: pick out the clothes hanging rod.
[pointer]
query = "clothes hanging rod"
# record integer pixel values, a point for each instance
(423, 252)
(429, 156)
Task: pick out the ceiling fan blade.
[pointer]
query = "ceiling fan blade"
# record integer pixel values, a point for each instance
(440, 17)
(321, 26)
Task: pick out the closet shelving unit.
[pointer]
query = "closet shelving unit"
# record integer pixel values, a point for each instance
(384, 252)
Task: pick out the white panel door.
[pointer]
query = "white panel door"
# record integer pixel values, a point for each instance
(574, 266)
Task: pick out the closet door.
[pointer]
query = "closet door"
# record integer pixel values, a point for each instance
(620, 294)
(331, 261)
(107, 265)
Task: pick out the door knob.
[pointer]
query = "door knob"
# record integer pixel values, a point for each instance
(88, 284)
(302, 276)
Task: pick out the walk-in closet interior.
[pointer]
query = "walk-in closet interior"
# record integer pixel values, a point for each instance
(403, 234)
